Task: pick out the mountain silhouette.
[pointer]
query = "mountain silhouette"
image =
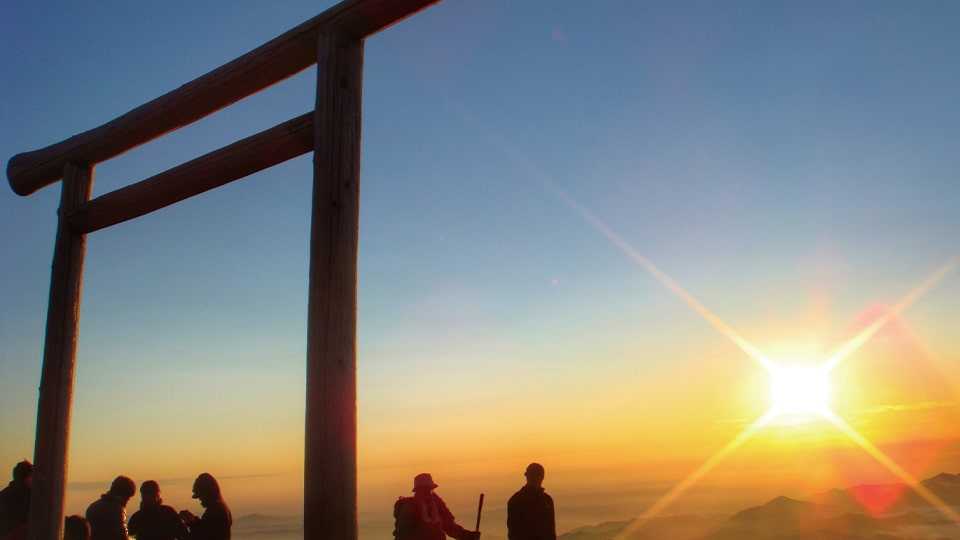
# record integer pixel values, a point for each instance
(862, 512)
(882, 499)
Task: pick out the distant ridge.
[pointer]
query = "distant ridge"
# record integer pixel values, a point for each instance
(262, 526)
(861, 512)
(838, 514)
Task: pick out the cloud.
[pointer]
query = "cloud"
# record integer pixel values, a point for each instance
(909, 407)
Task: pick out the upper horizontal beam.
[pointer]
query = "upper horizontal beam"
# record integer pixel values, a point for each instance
(279, 58)
(242, 158)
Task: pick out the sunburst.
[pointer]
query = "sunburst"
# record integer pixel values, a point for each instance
(793, 390)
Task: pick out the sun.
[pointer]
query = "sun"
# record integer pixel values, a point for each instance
(799, 390)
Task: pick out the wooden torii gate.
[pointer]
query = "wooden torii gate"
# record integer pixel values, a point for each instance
(333, 40)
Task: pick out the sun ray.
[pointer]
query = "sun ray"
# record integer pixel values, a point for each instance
(894, 468)
(620, 243)
(537, 173)
(864, 335)
(841, 353)
(661, 504)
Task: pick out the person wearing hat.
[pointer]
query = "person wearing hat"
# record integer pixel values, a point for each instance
(425, 516)
(216, 521)
(530, 514)
(108, 515)
(15, 500)
(155, 520)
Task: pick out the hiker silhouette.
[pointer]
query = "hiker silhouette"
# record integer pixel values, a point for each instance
(76, 528)
(425, 516)
(216, 520)
(15, 501)
(155, 520)
(530, 513)
(108, 516)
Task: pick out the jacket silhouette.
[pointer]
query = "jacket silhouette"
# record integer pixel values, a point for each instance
(108, 516)
(76, 528)
(216, 521)
(15, 500)
(155, 520)
(425, 516)
(530, 513)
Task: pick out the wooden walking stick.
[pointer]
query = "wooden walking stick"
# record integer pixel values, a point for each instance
(479, 511)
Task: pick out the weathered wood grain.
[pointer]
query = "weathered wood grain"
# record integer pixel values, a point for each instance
(59, 362)
(330, 458)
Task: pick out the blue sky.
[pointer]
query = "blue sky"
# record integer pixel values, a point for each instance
(757, 152)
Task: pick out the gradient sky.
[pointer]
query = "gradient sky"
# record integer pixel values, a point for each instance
(793, 165)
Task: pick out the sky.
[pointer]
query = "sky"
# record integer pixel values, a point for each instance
(790, 165)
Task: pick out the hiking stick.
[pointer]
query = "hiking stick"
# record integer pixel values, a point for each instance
(479, 511)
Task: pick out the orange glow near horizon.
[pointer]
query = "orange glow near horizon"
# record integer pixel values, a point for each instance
(688, 482)
(894, 468)
(794, 390)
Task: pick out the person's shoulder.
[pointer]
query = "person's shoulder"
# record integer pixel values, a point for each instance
(547, 497)
(516, 496)
(219, 508)
(169, 510)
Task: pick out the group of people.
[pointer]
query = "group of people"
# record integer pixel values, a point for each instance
(424, 516)
(530, 512)
(106, 518)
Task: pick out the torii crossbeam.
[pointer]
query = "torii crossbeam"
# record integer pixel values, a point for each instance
(334, 41)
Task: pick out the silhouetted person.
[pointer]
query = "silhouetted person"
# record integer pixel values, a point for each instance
(15, 500)
(425, 516)
(155, 520)
(76, 528)
(530, 514)
(216, 520)
(108, 515)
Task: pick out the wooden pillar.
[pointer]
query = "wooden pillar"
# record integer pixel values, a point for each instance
(59, 361)
(330, 459)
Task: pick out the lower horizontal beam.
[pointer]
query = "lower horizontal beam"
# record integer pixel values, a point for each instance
(242, 158)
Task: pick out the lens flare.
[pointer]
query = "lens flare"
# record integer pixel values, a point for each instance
(894, 468)
(793, 390)
(908, 299)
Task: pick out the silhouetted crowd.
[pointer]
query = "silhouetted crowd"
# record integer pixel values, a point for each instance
(106, 518)
(424, 516)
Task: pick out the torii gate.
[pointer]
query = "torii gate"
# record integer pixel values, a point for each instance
(334, 41)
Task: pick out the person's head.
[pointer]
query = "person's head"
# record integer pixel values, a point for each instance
(535, 474)
(76, 528)
(23, 473)
(423, 484)
(122, 488)
(150, 493)
(206, 488)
